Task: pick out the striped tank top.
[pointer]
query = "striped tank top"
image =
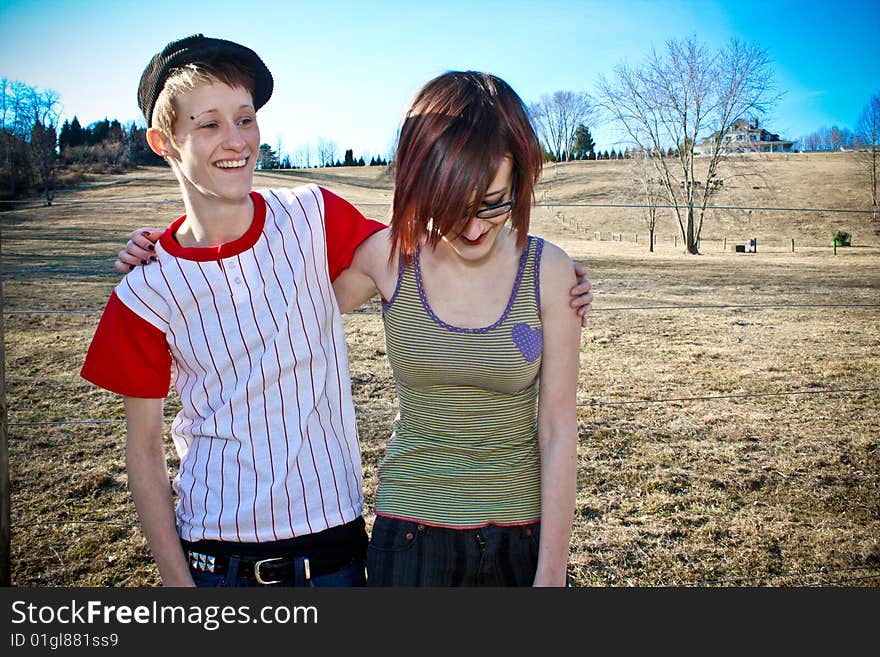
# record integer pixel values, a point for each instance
(464, 452)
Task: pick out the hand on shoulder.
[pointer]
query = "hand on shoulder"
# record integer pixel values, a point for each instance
(557, 276)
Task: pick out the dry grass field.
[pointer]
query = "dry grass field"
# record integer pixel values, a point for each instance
(729, 401)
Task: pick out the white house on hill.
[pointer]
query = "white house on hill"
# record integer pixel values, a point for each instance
(745, 137)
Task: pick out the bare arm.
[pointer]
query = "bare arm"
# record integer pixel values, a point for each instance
(370, 273)
(353, 287)
(148, 482)
(557, 417)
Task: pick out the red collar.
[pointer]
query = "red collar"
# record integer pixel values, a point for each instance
(225, 250)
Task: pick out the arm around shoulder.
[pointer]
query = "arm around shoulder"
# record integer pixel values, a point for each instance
(557, 277)
(370, 272)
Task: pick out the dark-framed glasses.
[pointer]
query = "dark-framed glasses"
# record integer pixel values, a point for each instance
(496, 209)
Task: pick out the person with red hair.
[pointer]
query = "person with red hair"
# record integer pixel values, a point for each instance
(477, 486)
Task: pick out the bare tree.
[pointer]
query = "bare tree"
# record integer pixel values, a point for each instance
(868, 131)
(14, 134)
(666, 103)
(302, 156)
(327, 152)
(43, 110)
(28, 123)
(557, 118)
(648, 187)
(280, 152)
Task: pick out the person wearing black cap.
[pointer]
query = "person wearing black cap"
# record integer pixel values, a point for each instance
(240, 310)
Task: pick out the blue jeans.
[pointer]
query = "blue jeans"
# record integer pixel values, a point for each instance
(404, 553)
(353, 575)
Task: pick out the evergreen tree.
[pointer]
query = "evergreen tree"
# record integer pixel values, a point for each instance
(584, 146)
(114, 131)
(349, 158)
(267, 159)
(138, 150)
(361, 162)
(77, 136)
(64, 136)
(97, 132)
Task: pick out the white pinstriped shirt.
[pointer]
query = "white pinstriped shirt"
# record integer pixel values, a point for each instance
(266, 434)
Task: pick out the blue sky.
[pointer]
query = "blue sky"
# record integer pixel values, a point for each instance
(346, 70)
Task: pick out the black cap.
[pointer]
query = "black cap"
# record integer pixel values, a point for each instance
(199, 48)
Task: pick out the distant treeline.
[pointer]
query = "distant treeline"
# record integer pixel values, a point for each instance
(37, 157)
(831, 139)
(269, 158)
(105, 142)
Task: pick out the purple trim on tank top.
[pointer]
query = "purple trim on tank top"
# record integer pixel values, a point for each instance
(485, 329)
(538, 250)
(400, 268)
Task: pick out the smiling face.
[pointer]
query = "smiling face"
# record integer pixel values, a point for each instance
(216, 141)
(477, 236)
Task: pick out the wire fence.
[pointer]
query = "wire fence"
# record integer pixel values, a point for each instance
(705, 306)
(542, 204)
(741, 244)
(595, 403)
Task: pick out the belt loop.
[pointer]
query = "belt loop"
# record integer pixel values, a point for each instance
(301, 571)
(232, 571)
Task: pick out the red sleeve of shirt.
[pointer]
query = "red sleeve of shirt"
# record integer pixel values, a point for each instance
(346, 228)
(128, 355)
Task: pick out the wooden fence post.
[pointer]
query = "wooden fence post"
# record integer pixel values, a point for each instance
(5, 500)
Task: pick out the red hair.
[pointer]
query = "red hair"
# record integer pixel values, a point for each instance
(458, 129)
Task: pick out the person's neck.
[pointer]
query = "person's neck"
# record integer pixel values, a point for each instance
(446, 255)
(212, 222)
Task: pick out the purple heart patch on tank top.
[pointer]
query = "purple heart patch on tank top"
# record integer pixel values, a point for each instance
(529, 341)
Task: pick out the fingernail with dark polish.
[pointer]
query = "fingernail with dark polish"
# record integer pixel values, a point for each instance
(143, 262)
(154, 259)
(151, 247)
(131, 268)
(145, 233)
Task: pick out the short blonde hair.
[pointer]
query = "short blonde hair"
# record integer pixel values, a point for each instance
(188, 77)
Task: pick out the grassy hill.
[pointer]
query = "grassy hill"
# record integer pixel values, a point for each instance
(825, 181)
